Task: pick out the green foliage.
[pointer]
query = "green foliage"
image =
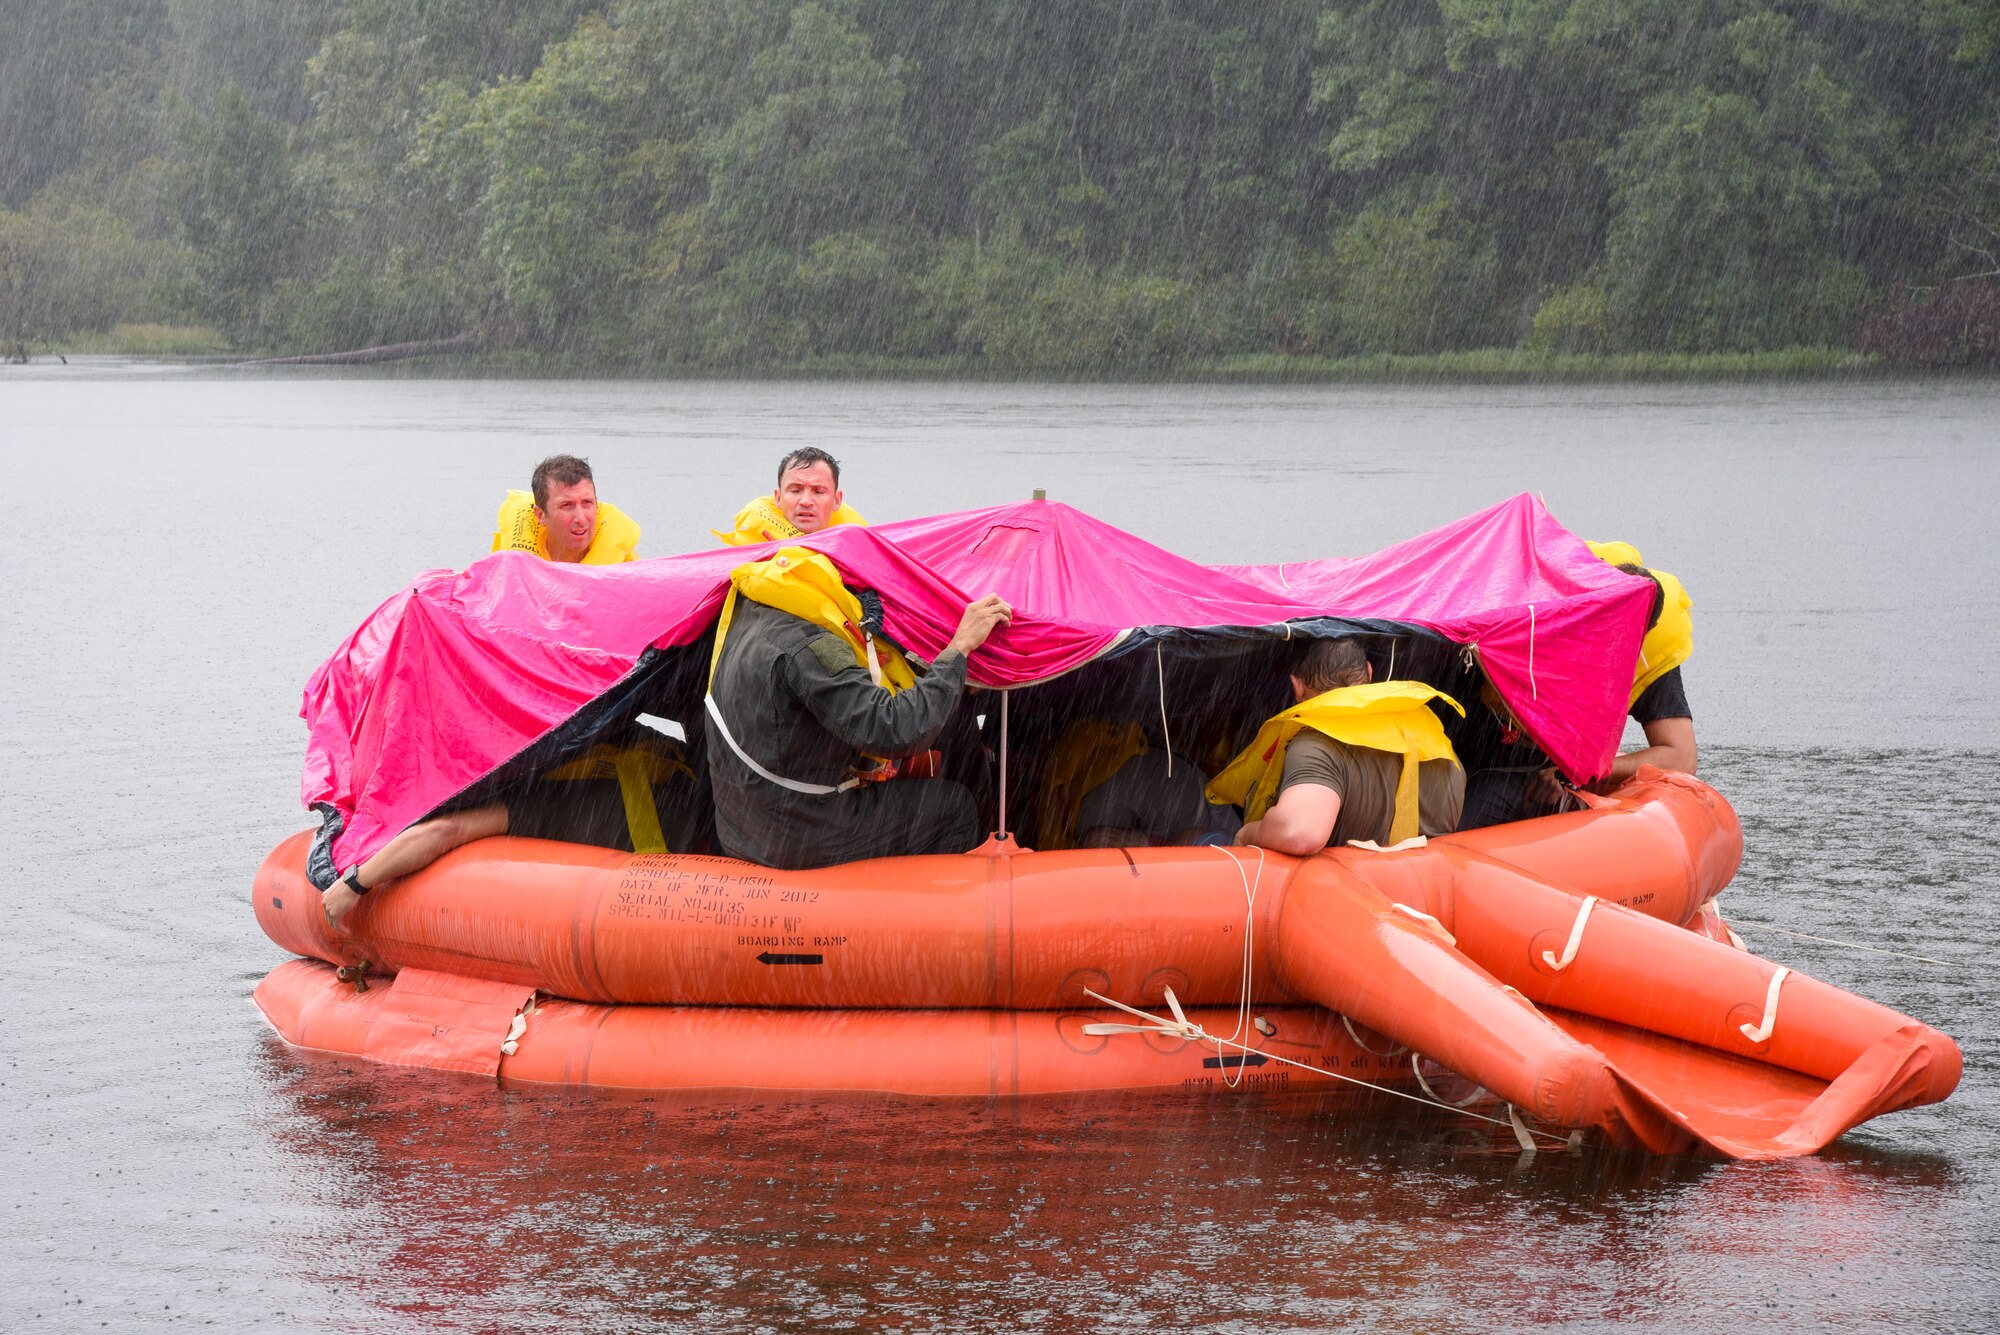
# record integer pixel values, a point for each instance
(1573, 319)
(66, 270)
(233, 196)
(1019, 185)
(1726, 200)
(1409, 276)
(821, 147)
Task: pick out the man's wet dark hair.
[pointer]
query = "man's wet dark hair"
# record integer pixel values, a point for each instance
(806, 458)
(1325, 664)
(1659, 591)
(565, 470)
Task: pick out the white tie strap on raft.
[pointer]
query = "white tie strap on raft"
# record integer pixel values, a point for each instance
(1428, 921)
(810, 789)
(1182, 1027)
(1478, 1091)
(1178, 1027)
(1575, 937)
(512, 1043)
(1761, 1032)
(1394, 1048)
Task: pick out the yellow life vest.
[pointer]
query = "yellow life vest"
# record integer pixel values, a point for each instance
(1670, 642)
(518, 530)
(762, 521)
(637, 770)
(1090, 752)
(806, 584)
(1382, 716)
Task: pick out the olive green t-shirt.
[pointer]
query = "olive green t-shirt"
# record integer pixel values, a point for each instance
(1366, 781)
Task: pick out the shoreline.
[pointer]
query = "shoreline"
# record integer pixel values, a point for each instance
(172, 344)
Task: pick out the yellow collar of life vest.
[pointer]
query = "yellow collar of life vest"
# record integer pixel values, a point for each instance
(762, 521)
(1090, 752)
(1382, 716)
(805, 584)
(1670, 642)
(518, 530)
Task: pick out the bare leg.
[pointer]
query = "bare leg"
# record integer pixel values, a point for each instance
(413, 850)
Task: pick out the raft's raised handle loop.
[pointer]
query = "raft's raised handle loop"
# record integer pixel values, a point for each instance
(1575, 937)
(1761, 1032)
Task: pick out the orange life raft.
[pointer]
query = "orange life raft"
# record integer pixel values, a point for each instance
(1549, 961)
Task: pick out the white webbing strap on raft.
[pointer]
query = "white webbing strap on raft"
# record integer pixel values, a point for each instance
(1428, 921)
(1575, 937)
(1417, 1066)
(810, 789)
(512, 1043)
(1393, 1050)
(1520, 1129)
(1758, 1033)
(1178, 1027)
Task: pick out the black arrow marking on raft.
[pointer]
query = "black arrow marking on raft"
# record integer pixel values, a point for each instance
(768, 958)
(1225, 1063)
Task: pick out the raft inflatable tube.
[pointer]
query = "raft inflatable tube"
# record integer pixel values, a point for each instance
(435, 1020)
(1545, 960)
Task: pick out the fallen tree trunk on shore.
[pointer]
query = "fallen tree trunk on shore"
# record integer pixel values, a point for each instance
(388, 352)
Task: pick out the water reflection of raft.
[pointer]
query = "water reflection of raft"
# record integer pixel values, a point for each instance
(1548, 961)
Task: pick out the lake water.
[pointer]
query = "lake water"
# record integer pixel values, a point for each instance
(190, 544)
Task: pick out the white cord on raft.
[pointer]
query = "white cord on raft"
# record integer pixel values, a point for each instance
(1182, 1027)
(1856, 945)
(1533, 693)
(1166, 737)
(1575, 937)
(1759, 1033)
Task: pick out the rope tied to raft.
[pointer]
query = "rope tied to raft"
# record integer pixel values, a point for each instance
(1852, 945)
(1179, 1026)
(1183, 1027)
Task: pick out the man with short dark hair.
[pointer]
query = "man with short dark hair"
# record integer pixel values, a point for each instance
(1353, 760)
(806, 500)
(561, 519)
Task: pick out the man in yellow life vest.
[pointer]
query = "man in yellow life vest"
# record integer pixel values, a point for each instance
(561, 519)
(1107, 784)
(806, 696)
(1513, 780)
(1355, 759)
(1659, 700)
(806, 500)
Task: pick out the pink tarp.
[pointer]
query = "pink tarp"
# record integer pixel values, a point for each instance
(458, 673)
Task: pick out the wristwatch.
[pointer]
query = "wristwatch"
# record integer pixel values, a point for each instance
(353, 880)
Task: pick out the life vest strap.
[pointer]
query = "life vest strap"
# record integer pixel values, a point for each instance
(810, 789)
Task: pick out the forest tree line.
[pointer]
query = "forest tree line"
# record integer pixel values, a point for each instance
(1014, 184)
